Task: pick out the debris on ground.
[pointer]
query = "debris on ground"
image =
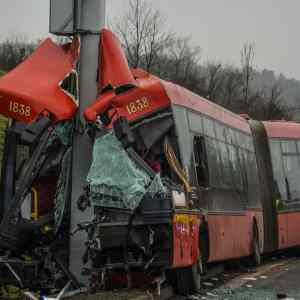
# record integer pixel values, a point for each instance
(249, 278)
(244, 294)
(208, 283)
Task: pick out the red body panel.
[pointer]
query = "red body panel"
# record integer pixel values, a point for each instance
(147, 97)
(114, 69)
(293, 221)
(289, 234)
(102, 103)
(282, 230)
(230, 235)
(185, 239)
(33, 86)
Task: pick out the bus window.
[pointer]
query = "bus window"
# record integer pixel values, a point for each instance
(214, 162)
(235, 168)
(242, 140)
(243, 168)
(252, 172)
(200, 161)
(298, 147)
(286, 168)
(288, 147)
(277, 165)
(231, 136)
(209, 129)
(220, 132)
(195, 122)
(226, 174)
(292, 175)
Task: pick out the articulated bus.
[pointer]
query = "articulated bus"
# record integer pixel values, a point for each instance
(217, 216)
(176, 183)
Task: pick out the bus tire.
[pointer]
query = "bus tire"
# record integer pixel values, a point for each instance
(188, 279)
(256, 255)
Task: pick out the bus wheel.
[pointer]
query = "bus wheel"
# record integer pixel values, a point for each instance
(256, 255)
(188, 279)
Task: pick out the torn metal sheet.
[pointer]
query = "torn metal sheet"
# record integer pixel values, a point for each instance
(113, 58)
(34, 86)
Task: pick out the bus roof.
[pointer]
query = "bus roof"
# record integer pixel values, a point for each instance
(183, 97)
(282, 129)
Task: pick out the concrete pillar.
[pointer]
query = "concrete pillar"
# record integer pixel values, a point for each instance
(90, 20)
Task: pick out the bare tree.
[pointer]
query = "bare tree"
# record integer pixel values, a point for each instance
(148, 45)
(247, 58)
(232, 85)
(274, 107)
(13, 51)
(141, 31)
(269, 104)
(183, 61)
(215, 78)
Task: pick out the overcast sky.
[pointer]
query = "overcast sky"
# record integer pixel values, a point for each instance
(219, 27)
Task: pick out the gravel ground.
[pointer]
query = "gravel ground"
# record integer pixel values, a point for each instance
(278, 278)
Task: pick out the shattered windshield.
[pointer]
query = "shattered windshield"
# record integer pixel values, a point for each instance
(115, 180)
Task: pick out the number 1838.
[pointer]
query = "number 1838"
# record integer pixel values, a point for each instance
(19, 108)
(138, 105)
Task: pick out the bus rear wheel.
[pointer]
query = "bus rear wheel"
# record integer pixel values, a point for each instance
(188, 279)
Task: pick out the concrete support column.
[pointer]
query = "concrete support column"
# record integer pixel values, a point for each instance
(91, 19)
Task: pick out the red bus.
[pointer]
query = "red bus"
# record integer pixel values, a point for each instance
(229, 184)
(209, 201)
(177, 182)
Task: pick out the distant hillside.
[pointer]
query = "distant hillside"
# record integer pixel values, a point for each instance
(290, 88)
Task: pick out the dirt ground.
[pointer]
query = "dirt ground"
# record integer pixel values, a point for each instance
(277, 278)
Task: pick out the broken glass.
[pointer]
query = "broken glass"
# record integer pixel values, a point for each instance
(115, 180)
(62, 131)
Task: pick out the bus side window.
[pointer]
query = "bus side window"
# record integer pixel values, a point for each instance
(200, 161)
